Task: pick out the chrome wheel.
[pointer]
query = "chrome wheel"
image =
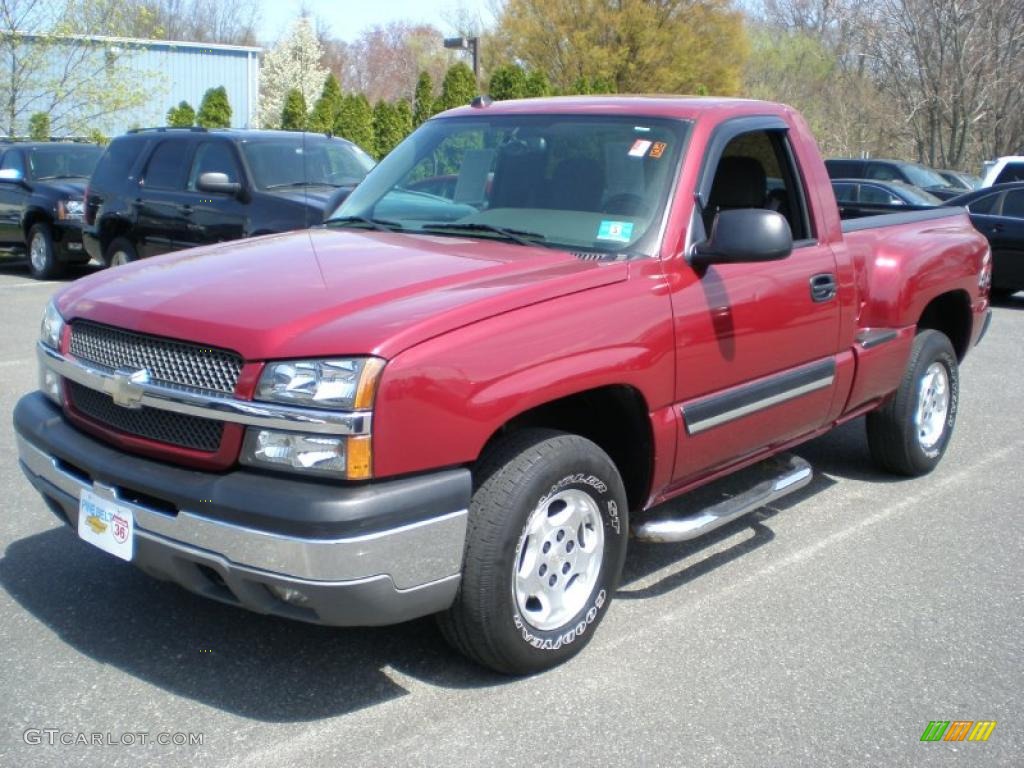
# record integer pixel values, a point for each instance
(117, 258)
(38, 252)
(558, 559)
(932, 406)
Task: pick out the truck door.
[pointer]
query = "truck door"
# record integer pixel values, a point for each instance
(161, 225)
(756, 343)
(212, 217)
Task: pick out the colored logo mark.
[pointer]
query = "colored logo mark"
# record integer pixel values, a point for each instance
(958, 730)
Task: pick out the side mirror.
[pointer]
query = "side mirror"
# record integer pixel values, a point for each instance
(218, 182)
(12, 176)
(742, 235)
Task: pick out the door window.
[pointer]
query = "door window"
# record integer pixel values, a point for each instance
(984, 204)
(214, 157)
(1013, 204)
(167, 165)
(13, 161)
(877, 196)
(845, 193)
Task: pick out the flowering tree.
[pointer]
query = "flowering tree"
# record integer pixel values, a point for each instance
(293, 63)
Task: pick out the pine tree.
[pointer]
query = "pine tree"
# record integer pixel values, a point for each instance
(508, 82)
(403, 112)
(355, 121)
(39, 126)
(458, 88)
(423, 104)
(181, 116)
(537, 84)
(293, 116)
(215, 111)
(328, 106)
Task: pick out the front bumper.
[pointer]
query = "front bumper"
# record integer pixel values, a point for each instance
(67, 240)
(379, 553)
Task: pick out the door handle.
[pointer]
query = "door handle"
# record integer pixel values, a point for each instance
(996, 229)
(823, 287)
(186, 210)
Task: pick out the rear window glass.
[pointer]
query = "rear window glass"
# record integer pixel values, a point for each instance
(1013, 204)
(983, 204)
(116, 163)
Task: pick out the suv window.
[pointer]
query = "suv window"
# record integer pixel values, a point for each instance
(214, 157)
(756, 171)
(166, 167)
(1010, 172)
(61, 161)
(881, 173)
(1013, 204)
(115, 166)
(845, 193)
(878, 196)
(13, 161)
(983, 204)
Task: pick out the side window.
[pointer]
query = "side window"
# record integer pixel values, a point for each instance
(756, 170)
(1013, 204)
(984, 204)
(845, 193)
(881, 172)
(167, 166)
(13, 161)
(1011, 172)
(214, 157)
(877, 196)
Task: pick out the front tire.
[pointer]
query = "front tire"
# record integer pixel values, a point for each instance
(909, 434)
(548, 524)
(42, 257)
(120, 251)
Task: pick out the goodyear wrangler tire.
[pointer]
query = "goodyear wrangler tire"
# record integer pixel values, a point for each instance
(909, 433)
(548, 525)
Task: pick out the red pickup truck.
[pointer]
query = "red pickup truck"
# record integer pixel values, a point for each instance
(456, 403)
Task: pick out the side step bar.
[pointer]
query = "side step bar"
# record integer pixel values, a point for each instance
(786, 473)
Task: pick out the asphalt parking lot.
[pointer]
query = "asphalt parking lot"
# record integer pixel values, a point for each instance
(826, 631)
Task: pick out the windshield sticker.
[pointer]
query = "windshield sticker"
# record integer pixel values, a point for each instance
(658, 149)
(639, 148)
(616, 231)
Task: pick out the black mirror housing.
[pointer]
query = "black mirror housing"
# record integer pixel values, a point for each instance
(218, 182)
(744, 235)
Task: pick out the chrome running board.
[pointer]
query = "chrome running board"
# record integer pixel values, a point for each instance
(786, 473)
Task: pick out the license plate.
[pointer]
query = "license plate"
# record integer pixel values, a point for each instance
(106, 524)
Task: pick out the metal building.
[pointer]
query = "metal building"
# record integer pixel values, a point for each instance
(169, 72)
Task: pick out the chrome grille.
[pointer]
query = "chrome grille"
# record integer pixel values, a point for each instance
(169, 362)
(163, 426)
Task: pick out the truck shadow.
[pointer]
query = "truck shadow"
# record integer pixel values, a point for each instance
(276, 670)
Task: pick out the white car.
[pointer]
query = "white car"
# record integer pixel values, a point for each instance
(1005, 169)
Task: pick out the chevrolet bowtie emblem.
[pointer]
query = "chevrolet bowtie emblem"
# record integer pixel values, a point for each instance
(127, 386)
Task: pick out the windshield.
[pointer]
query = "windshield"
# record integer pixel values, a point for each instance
(593, 183)
(62, 161)
(923, 177)
(294, 162)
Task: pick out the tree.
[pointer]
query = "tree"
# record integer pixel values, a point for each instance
(293, 116)
(423, 103)
(49, 67)
(537, 84)
(327, 108)
(234, 22)
(39, 126)
(355, 121)
(508, 82)
(293, 63)
(214, 111)
(385, 61)
(386, 130)
(458, 88)
(403, 112)
(181, 116)
(635, 46)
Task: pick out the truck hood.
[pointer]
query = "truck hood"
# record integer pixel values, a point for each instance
(73, 190)
(327, 293)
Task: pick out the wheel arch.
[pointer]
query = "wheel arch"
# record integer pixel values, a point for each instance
(950, 314)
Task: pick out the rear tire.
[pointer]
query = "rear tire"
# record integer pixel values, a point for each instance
(42, 257)
(909, 433)
(120, 251)
(548, 524)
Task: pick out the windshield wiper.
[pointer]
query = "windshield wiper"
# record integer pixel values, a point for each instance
(63, 176)
(290, 184)
(515, 235)
(381, 225)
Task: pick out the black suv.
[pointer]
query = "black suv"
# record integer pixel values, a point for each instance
(892, 170)
(163, 189)
(41, 189)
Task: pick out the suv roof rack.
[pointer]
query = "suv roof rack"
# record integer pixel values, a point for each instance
(165, 128)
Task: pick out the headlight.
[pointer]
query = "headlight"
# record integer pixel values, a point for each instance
(70, 209)
(327, 455)
(52, 327)
(345, 384)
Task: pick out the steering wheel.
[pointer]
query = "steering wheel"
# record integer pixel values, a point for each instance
(626, 204)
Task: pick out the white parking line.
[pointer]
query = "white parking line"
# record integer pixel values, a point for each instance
(33, 284)
(12, 363)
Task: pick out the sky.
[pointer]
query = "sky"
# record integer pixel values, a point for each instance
(347, 18)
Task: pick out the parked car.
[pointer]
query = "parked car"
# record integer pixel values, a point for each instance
(891, 170)
(998, 213)
(161, 190)
(41, 189)
(432, 405)
(851, 192)
(961, 181)
(1004, 170)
